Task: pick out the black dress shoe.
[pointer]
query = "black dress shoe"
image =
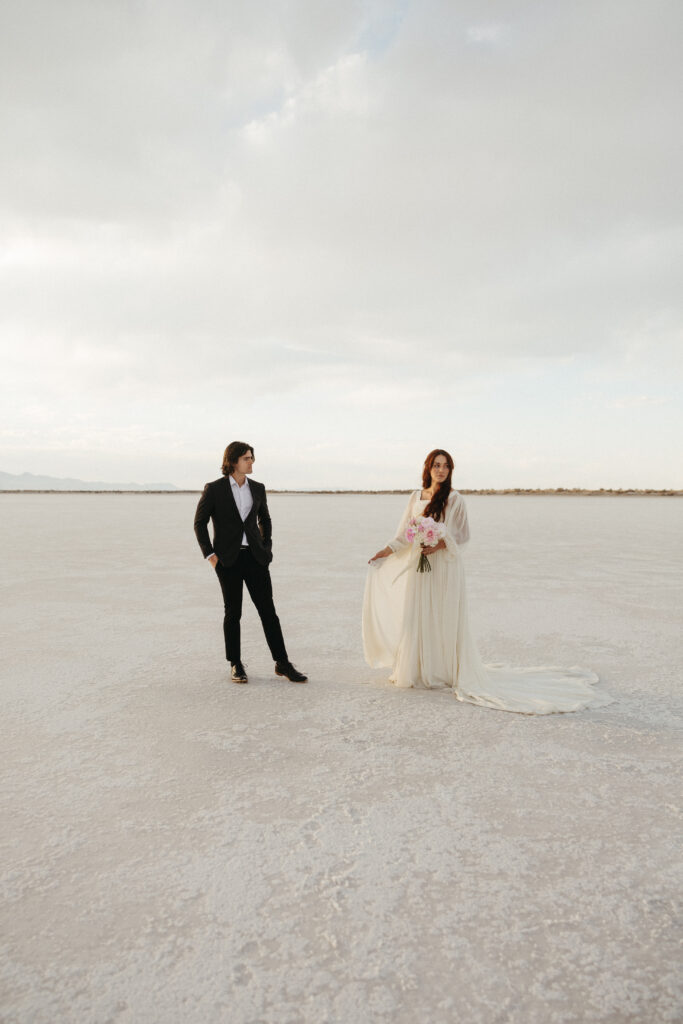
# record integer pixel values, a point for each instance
(237, 673)
(286, 669)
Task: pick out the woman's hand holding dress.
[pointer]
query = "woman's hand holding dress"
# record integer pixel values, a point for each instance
(384, 553)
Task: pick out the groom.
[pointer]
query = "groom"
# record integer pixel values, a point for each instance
(241, 553)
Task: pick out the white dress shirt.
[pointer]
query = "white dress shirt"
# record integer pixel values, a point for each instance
(244, 500)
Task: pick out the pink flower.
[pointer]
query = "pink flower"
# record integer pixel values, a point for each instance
(424, 529)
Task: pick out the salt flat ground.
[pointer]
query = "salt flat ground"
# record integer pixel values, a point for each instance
(180, 849)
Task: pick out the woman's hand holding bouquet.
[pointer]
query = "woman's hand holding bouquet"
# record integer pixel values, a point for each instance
(428, 533)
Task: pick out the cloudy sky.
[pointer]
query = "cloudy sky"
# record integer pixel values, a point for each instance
(346, 232)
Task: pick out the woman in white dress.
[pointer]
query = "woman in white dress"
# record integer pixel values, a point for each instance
(416, 623)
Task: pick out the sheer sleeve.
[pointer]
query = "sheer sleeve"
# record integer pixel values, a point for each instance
(457, 526)
(399, 541)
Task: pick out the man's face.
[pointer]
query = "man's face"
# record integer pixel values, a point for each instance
(245, 463)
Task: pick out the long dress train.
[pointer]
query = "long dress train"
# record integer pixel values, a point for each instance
(417, 624)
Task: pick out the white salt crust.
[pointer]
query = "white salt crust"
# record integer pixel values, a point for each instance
(180, 849)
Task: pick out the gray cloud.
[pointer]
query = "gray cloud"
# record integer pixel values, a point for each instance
(309, 199)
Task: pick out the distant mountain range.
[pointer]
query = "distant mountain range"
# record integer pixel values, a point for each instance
(29, 482)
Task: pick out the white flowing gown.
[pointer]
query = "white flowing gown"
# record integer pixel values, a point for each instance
(417, 625)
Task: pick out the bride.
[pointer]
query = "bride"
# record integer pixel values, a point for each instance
(416, 623)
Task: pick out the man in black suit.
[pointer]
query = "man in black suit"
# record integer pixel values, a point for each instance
(241, 553)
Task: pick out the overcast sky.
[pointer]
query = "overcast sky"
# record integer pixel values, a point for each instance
(345, 232)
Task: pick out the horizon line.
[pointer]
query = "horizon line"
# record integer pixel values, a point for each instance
(589, 491)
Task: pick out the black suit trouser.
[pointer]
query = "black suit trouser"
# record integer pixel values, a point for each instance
(257, 578)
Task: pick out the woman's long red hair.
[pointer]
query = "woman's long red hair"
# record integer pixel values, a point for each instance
(437, 506)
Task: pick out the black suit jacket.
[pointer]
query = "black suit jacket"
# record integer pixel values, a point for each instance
(218, 504)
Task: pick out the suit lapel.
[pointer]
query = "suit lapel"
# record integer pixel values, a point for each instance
(252, 510)
(231, 498)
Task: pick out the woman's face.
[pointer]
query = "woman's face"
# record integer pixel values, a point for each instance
(439, 470)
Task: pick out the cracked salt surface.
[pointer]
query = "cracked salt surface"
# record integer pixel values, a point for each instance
(179, 849)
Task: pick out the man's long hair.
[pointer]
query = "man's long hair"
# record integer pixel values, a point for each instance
(234, 452)
(437, 506)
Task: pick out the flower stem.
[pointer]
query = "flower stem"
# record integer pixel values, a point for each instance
(423, 565)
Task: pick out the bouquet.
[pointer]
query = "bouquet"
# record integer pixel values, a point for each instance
(424, 530)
